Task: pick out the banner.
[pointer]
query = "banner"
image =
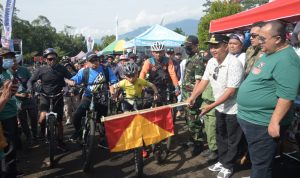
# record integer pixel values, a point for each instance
(90, 44)
(8, 10)
(133, 130)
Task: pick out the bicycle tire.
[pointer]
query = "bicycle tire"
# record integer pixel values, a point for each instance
(88, 145)
(138, 161)
(51, 137)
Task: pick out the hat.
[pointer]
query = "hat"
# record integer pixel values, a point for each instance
(124, 57)
(191, 39)
(132, 55)
(238, 37)
(218, 38)
(6, 51)
(90, 56)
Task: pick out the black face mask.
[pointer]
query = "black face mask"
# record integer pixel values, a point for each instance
(189, 50)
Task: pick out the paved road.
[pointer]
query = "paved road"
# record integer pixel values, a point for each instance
(180, 163)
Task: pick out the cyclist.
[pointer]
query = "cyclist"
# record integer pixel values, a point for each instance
(52, 82)
(133, 87)
(99, 75)
(161, 70)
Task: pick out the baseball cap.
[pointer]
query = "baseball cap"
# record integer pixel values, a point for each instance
(91, 56)
(191, 39)
(6, 51)
(238, 37)
(217, 38)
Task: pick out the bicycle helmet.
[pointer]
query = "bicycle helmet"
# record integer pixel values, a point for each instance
(130, 69)
(91, 56)
(157, 46)
(49, 51)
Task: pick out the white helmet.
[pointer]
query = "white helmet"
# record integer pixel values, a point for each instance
(157, 46)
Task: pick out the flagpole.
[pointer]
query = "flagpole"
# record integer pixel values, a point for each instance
(117, 23)
(109, 118)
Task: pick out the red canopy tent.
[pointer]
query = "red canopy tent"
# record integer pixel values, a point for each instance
(285, 10)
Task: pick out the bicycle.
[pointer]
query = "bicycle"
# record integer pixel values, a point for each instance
(51, 126)
(90, 124)
(138, 158)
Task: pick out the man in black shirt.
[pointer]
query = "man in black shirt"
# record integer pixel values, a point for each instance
(52, 77)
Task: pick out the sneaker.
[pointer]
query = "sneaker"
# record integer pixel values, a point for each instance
(225, 173)
(145, 154)
(74, 138)
(196, 150)
(68, 122)
(216, 167)
(205, 153)
(19, 173)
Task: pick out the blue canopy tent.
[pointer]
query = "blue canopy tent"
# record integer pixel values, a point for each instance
(157, 33)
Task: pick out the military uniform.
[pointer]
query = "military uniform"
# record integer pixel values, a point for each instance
(194, 70)
(252, 55)
(209, 119)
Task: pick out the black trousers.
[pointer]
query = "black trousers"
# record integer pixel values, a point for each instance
(229, 134)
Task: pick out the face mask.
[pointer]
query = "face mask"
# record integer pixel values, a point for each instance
(7, 63)
(189, 50)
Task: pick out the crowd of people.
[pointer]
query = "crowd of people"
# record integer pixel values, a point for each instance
(241, 97)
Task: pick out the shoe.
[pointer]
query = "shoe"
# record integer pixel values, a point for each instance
(213, 156)
(19, 173)
(225, 173)
(216, 167)
(68, 122)
(74, 138)
(145, 154)
(197, 150)
(205, 153)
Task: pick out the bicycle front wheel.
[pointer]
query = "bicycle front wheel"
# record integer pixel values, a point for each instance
(88, 144)
(138, 162)
(51, 136)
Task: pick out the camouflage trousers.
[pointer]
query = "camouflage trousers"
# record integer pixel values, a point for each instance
(195, 125)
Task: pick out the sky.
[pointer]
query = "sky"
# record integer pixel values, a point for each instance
(97, 18)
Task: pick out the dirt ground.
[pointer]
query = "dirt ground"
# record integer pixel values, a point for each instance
(179, 163)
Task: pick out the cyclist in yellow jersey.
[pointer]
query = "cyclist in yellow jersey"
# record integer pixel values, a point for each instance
(133, 86)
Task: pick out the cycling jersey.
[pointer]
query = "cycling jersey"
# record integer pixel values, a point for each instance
(160, 73)
(135, 89)
(95, 76)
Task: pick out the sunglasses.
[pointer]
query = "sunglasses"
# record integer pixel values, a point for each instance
(216, 73)
(253, 35)
(51, 58)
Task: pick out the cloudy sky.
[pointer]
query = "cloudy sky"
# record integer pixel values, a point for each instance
(98, 17)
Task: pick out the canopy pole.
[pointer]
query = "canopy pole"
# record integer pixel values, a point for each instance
(113, 117)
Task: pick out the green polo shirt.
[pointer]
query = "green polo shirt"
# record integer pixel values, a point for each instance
(10, 108)
(273, 76)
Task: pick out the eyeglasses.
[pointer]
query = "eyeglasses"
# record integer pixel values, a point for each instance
(253, 35)
(51, 58)
(216, 73)
(263, 39)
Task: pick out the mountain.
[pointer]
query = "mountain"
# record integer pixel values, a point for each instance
(188, 26)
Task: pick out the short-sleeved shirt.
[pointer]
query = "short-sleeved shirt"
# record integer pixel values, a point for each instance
(94, 76)
(10, 108)
(135, 89)
(273, 76)
(230, 75)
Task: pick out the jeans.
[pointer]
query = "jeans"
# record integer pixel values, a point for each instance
(261, 147)
(229, 134)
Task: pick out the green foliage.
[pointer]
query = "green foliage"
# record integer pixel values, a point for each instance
(180, 31)
(217, 10)
(106, 40)
(39, 35)
(248, 4)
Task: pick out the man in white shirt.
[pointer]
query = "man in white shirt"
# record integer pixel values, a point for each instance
(235, 46)
(225, 74)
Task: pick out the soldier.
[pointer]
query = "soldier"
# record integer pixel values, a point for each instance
(194, 69)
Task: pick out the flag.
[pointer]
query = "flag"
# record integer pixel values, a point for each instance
(8, 9)
(132, 130)
(90, 44)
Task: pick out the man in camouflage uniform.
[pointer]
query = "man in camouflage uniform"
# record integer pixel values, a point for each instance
(194, 69)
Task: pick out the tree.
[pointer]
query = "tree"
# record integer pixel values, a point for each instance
(217, 10)
(207, 5)
(180, 31)
(106, 40)
(41, 21)
(248, 4)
